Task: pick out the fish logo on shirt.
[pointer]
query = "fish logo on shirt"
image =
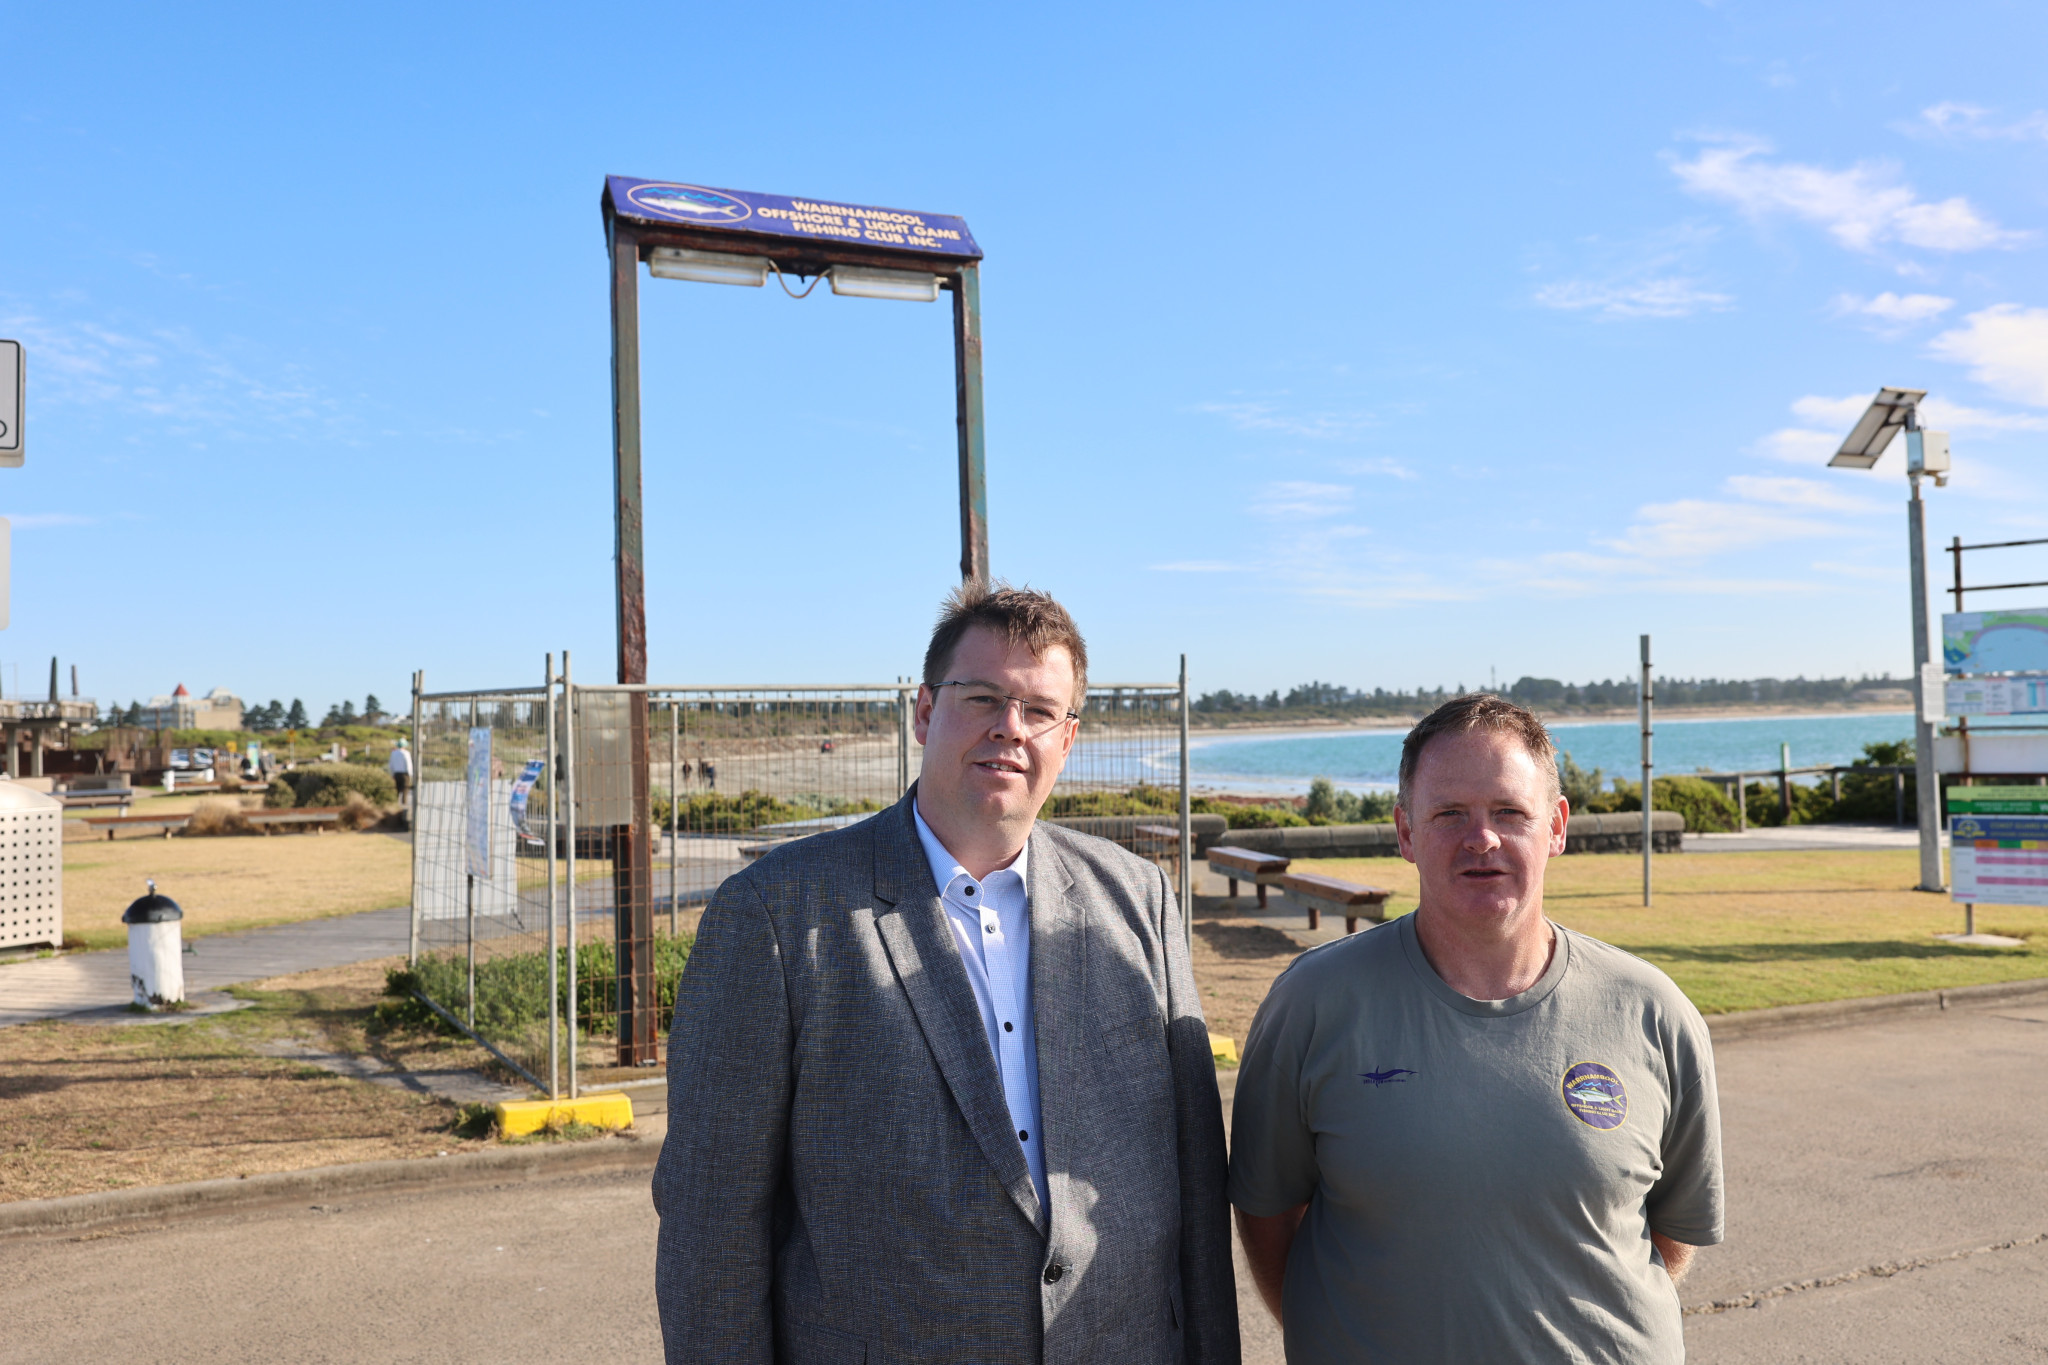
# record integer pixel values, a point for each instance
(1595, 1095)
(1389, 1077)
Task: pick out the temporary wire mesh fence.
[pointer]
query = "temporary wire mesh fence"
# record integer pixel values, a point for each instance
(481, 903)
(727, 775)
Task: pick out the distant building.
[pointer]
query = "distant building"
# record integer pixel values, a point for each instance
(219, 709)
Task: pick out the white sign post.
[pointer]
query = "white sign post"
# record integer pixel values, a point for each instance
(13, 385)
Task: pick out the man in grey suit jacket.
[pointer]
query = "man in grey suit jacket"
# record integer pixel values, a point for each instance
(939, 1083)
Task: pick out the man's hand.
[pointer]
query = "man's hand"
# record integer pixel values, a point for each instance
(1266, 1244)
(1677, 1255)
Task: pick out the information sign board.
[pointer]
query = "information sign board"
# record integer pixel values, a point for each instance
(13, 402)
(2022, 695)
(780, 215)
(1995, 641)
(1998, 845)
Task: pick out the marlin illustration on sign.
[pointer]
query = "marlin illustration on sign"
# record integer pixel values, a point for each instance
(695, 202)
(1399, 1073)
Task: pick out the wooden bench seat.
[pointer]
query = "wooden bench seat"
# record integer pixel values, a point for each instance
(113, 823)
(1339, 897)
(317, 816)
(1244, 865)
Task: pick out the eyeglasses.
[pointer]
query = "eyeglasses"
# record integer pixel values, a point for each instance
(985, 706)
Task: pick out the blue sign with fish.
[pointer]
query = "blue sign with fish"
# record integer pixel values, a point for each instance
(779, 215)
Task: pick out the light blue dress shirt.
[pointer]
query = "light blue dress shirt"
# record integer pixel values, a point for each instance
(991, 919)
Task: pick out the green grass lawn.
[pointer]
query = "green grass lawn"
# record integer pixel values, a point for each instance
(1741, 931)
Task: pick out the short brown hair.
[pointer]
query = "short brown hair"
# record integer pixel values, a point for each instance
(1020, 615)
(1478, 711)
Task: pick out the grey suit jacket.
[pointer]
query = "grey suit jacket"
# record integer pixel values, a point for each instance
(840, 1181)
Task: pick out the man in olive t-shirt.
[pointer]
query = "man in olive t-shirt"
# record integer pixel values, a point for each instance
(1471, 1134)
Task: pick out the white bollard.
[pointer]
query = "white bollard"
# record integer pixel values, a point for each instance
(156, 950)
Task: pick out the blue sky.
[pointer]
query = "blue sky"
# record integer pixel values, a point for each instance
(1385, 345)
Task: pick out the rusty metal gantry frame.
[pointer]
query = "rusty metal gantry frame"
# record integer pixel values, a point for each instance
(628, 242)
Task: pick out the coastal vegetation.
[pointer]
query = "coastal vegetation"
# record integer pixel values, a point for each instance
(1321, 701)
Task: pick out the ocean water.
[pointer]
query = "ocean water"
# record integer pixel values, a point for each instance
(1367, 759)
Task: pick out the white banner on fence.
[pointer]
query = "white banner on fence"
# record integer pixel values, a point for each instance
(441, 828)
(477, 829)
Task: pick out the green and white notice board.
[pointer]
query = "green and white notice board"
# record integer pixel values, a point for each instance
(1998, 845)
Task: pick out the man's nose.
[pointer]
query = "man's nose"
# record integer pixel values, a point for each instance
(1482, 837)
(1001, 724)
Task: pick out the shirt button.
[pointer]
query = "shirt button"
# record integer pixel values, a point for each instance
(970, 890)
(988, 928)
(1008, 1027)
(1023, 1136)
(1053, 1272)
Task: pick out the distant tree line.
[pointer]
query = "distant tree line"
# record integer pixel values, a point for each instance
(1549, 694)
(274, 715)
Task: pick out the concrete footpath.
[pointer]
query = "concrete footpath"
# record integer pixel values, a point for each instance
(43, 988)
(1888, 1195)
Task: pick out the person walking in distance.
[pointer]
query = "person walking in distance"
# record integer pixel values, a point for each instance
(400, 768)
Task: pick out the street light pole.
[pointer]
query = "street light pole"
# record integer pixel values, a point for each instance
(1926, 779)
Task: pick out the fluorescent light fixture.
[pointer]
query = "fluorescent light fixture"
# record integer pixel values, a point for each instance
(863, 282)
(1874, 429)
(707, 267)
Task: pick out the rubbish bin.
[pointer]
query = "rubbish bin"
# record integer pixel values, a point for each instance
(156, 961)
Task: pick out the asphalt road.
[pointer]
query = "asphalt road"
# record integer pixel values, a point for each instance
(1894, 1143)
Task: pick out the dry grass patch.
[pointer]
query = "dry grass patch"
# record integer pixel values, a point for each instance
(106, 1106)
(1743, 931)
(230, 884)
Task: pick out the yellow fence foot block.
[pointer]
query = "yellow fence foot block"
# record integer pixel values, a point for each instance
(516, 1118)
(1223, 1049)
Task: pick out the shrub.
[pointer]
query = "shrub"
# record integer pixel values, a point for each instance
(216, 817)
(1326, 805)
(358, 811)
(511, 990)
(707, 812)
(1869, 796)
(1587, 791)
(280, 795)
(1242, 815)
(328, 784)
(1706, 808)
(1136, 801)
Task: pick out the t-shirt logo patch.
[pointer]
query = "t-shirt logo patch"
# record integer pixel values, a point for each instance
(1388, 1077)
(1595, 1095)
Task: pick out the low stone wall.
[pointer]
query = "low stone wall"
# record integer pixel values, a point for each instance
(1585, 834)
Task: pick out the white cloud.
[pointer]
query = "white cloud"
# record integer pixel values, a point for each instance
(1862, 207)
(1296, 499)
(2006, 348)
(1895, 312)
(1670, 297)
(1789, 492)
(1393, 469)
(1266, 416)
(1969, 120)
(34, 521)
(1833, 412)
(1798, 445)
(1945, 416)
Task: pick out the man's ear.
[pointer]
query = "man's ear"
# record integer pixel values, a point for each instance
(921, 712)
(1404, 835)
(1560, 825)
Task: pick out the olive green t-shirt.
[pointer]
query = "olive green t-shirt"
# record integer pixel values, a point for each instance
(1481, 1176)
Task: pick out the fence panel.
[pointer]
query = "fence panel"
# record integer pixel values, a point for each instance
(728, 774)
(481, 876)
